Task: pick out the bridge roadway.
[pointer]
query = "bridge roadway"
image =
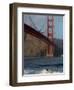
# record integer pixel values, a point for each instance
(37, 34)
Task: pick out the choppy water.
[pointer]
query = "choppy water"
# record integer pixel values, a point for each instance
(43, 65)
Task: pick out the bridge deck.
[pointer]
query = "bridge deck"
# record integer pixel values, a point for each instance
(37, 34)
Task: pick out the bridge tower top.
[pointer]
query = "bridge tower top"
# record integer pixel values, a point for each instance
(50, 27)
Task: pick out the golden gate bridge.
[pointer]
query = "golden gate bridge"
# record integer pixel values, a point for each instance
(33, 65)
(48, 38)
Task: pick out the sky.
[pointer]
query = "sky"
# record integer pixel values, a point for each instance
(39, 22)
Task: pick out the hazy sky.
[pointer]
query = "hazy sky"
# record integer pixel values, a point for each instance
(39, 22)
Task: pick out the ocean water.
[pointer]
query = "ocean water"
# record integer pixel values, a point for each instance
(43, 65)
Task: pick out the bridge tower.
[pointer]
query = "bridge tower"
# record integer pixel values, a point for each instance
(50, 29)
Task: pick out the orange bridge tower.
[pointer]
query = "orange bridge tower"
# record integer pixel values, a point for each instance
(50, 32)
